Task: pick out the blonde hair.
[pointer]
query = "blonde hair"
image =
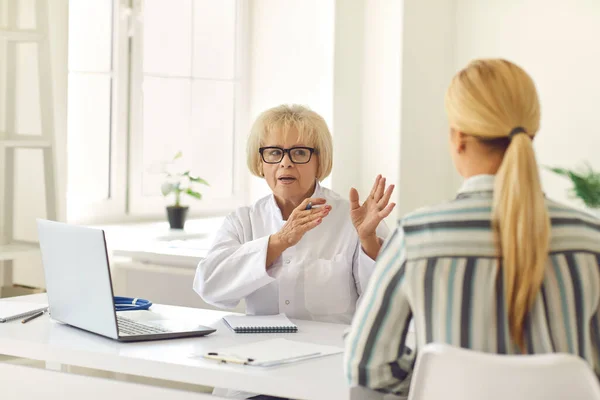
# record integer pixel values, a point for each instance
(489, 99)
(311, 128)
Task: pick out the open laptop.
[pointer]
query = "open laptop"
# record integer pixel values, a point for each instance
(80, 292)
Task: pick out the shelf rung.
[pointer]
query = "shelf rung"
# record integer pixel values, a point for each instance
(33, 143)
(21, 36)
(13, 251)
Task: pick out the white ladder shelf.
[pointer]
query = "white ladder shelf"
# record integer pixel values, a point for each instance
(11, 141)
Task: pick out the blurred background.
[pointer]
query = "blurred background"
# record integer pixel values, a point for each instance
(98, 96)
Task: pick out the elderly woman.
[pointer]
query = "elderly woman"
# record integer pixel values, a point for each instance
(304, 250)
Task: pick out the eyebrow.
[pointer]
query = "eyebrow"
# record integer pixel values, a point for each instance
(283, 147)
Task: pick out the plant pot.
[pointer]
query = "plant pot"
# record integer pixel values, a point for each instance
(177, 215)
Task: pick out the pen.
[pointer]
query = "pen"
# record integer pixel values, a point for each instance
(34, 316)
(308, 206)
(226, 359)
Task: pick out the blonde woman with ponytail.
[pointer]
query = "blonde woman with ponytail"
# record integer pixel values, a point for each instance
(499, 269)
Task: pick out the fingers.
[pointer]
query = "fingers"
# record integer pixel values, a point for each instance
(354, 204)
(386, 197)
(380, 189)
(386, 211)
(310, 221)
(313, 214)
(313, 202)
(375, 185)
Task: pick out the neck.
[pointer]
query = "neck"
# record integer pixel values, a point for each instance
(289, 204)
(483, 166)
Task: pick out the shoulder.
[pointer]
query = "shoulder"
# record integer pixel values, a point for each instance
(449, 213)
(242, 215)
(461, 227)
(573, 229)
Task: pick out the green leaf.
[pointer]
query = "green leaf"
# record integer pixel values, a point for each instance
(193, 193)
(178, 155)
(198, 180)
(586, 184)
(559, 171)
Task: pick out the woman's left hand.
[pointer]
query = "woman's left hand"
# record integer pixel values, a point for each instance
(367, 217)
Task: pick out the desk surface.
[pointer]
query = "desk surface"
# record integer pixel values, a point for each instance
(47, 340)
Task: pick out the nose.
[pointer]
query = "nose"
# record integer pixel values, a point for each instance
(286, 161)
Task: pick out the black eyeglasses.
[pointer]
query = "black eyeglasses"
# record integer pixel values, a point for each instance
(298, 155)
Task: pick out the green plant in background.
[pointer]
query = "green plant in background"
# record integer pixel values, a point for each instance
(586, 184)
(179, 183)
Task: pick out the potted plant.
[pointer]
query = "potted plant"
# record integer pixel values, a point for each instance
(178, 184)
(586, 185)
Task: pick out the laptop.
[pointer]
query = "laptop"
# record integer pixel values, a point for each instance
(79, 287)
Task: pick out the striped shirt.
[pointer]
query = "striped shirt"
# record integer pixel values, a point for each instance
(441, 269)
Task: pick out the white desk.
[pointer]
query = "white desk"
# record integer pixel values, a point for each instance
(46, 340)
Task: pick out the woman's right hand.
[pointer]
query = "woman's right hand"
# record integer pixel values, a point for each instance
(301, 221)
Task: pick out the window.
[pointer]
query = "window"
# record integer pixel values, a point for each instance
(148, 79)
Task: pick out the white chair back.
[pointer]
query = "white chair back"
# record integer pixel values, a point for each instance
(444, 372)
(23, 383)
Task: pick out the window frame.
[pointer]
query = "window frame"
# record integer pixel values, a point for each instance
(113, 207)
(126, 121)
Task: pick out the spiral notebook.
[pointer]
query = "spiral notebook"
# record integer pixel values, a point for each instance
(11, 310)
(260, 323)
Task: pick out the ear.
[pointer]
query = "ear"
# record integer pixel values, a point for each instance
(460, 142)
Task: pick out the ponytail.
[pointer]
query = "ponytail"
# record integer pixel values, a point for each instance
(521, 221)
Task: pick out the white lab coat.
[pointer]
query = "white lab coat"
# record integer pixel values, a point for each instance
(320, 278)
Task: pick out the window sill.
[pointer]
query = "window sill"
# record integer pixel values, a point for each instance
(155, 243)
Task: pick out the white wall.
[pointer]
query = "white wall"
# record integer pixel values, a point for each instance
(348, 73)
(291, 59)
(368, 49)
(558, 43)
(426, 173)
(381, 108)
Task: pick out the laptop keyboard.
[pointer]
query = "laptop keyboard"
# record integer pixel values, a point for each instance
(130, 327)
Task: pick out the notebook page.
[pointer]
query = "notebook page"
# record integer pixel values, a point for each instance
(277, 351)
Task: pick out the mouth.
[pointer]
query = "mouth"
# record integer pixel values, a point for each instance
(286, 179)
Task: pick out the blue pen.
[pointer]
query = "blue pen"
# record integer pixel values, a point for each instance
(308, 206)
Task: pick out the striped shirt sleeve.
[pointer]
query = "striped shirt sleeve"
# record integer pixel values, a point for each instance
(376, 355)
(595, 328)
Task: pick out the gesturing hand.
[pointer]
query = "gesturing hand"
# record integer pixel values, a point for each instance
(366, 217)
(302, 220)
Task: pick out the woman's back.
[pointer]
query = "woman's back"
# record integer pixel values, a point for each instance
(500, 269)
(441, 270)
(454, 281)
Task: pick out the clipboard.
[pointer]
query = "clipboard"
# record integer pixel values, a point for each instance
(270, 353)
